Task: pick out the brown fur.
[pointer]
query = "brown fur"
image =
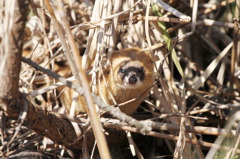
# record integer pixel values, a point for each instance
(131, 57)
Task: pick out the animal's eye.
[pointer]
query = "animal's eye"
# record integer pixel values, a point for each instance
(140, 69)
(122, 70)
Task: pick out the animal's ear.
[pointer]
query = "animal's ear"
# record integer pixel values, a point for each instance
(113, 55)
(106, 70)
(153, 57)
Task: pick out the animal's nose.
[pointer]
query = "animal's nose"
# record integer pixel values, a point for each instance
(133, 79)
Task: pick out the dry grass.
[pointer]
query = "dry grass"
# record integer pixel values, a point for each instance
(196, 67)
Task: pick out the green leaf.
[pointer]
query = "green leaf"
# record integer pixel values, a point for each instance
(167, 39)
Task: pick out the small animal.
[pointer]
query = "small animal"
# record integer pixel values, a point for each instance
(130, 75)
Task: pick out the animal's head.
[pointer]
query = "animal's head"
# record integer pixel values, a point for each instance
(131, 68)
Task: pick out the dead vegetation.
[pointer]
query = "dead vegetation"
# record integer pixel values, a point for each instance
(195, 47)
